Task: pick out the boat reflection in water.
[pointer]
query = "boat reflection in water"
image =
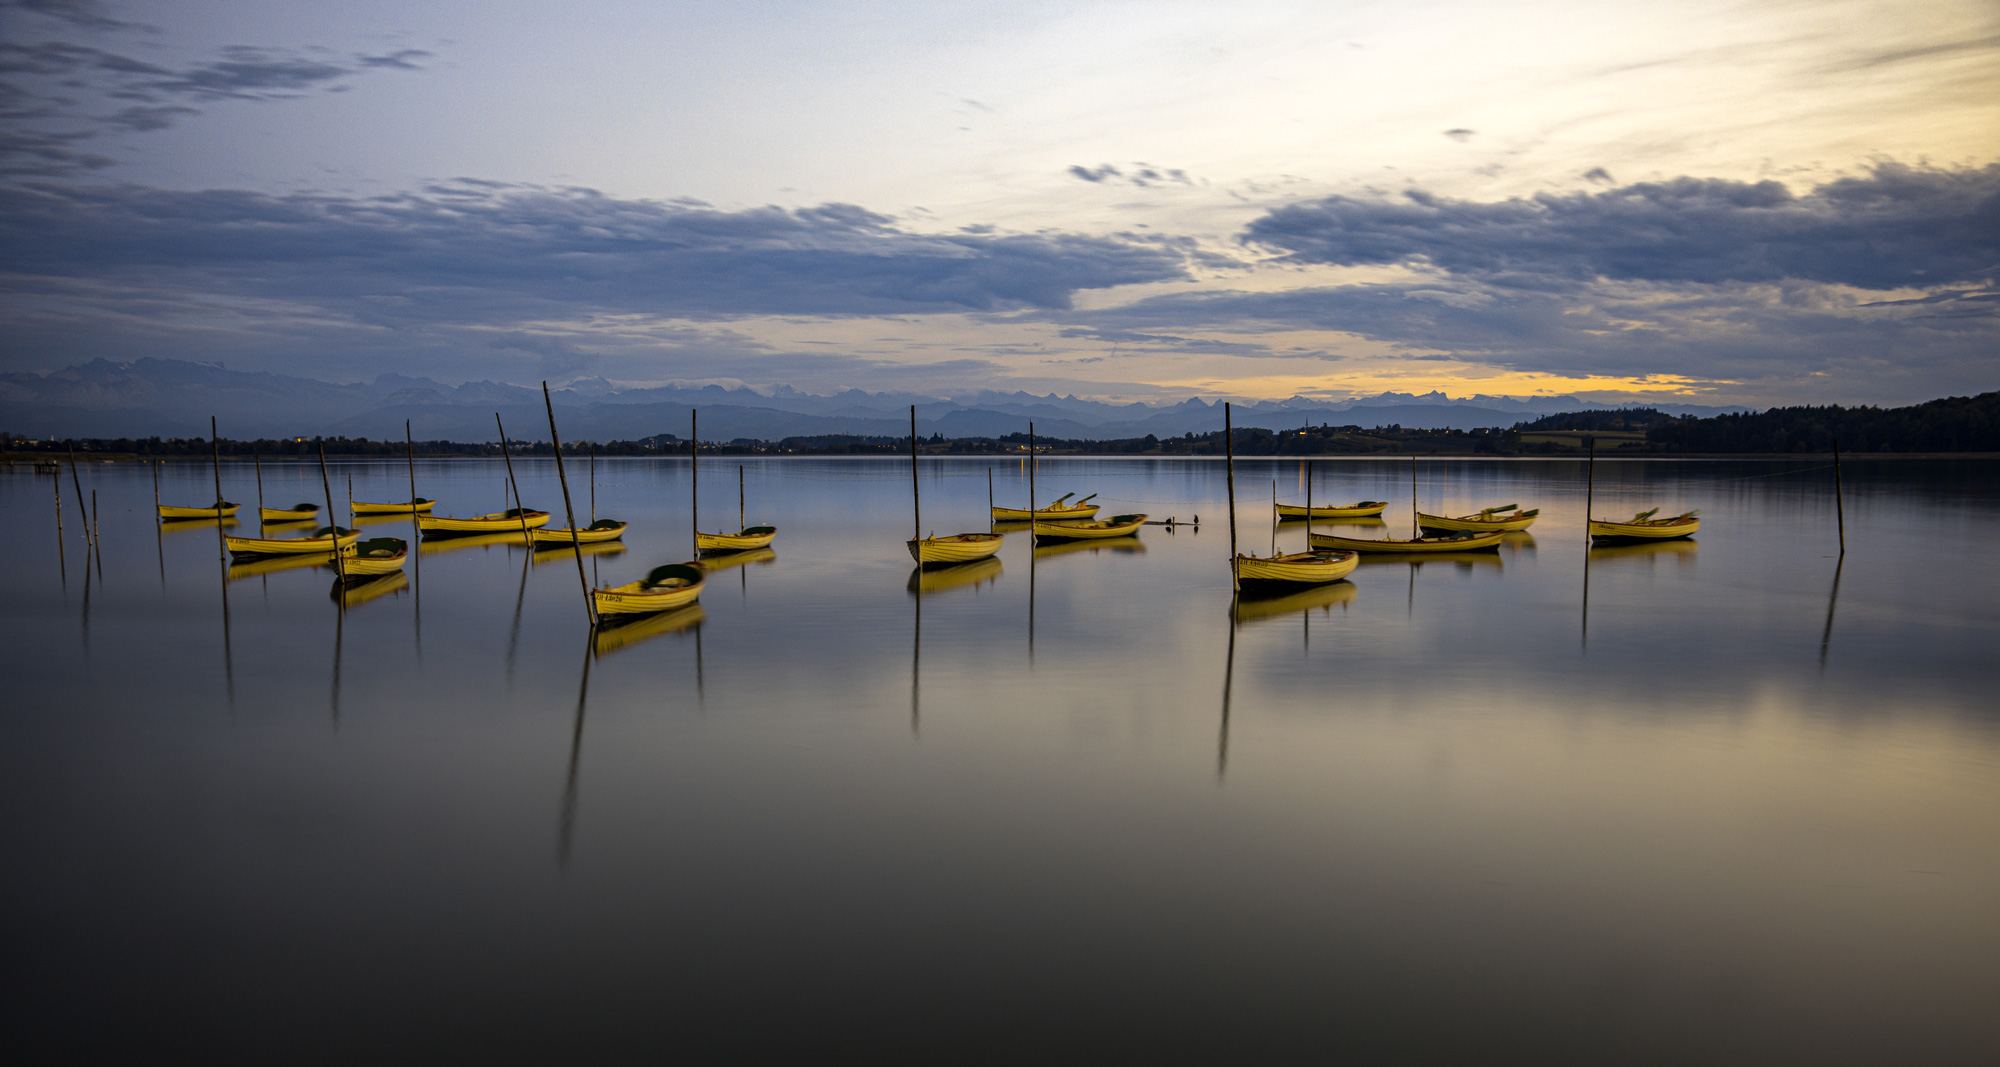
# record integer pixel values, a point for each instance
(1465, 560)
(431, 546)
(354, 591)
(1117, 545)
(254, 566)
(545, 552)
(179, 525)
(721, 561)
(935, 579)
(1680, 551)
(1255, 606)
(616, 633)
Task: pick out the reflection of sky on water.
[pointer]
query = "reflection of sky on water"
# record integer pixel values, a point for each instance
(1439, 800)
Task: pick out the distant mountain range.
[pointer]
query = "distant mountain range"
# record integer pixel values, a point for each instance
(174, 398)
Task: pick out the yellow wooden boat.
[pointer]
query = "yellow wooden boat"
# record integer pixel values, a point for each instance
(928, 580)
(672, 586)
(420, 505)
(752, 537)
(1464, 542)
(1298, 568)
(1644, 527)
(173, 511)
(1282, 602)
(375, 556)
(957, 548)
(620, 631)
(1507, 519)
(323, 542)
(1116, 526)
(601, 530)
(496, 522)
(360, 591)
(295, 513)
(1362, 509)
(1082, 509)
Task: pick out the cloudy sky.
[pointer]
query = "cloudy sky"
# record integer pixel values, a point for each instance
(1754, 202)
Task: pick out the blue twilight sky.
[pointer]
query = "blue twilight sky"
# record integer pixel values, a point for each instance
(1754, 202)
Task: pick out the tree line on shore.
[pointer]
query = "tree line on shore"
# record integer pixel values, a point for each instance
(1953, 424)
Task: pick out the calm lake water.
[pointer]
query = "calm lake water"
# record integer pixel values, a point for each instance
(1744, 806)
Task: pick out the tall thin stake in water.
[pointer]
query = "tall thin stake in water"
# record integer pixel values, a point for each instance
(416, 540)
(159, 536)
(694, 479)
(62, 554)
(593, 483)
(83, 513)
(916, 493)
(258, 462)
(989, 493)
(99, 553)
(1839, 508)
(520, 509)
(742, 522)
(215, 451)
(1416, 530)
(1309, 505)
(1589, 494)
(569, 512)
(1031, 482)
(1274, 517)
(339, 565)
(1229, 473)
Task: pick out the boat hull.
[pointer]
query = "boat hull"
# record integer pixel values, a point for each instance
(289, 546)
(1664, 530)
(1087, 511)
(170, 511)
(1300, 568)
(1461, 524)
(638, 598)
(362, 507)
(587, 535)
(381, 559)
(753, 538)
(958, 548)
(1363, 510)
(482, 523)
(1118, 526)
(1409, 546)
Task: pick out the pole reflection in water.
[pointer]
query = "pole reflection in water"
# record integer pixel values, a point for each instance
(514, 638)
(1228, 686)
(1832, 598)
(87, 553)
(339, 634)
(566, 824)
(916, 650)
(228, 657)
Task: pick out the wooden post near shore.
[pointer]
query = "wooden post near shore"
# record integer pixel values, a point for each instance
(569, 512)
(62, 554)
(694, 479)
